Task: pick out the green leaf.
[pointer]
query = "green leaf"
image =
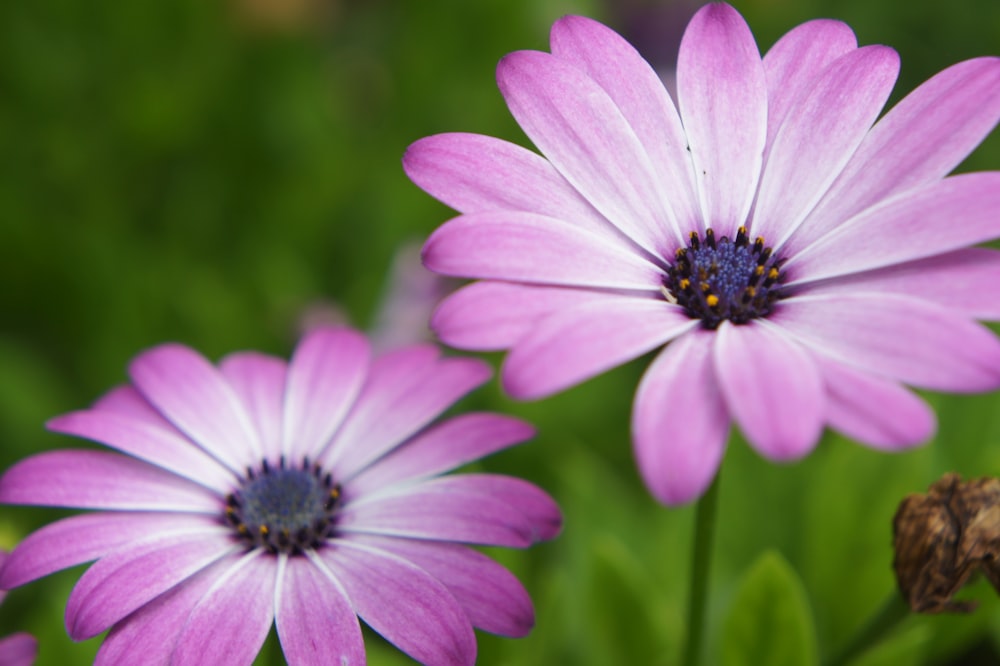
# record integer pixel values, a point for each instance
(770, 622)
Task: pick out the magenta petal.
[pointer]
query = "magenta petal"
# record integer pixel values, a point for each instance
(492, 597)
(77, 539)
(229, 624)
(197, 399)
(821, 132)
(259, 381)
(315, 620)
(875, 411)
(639, 94)
(722, 94)
(524, 247)
(18, 649)
(461, 440)
(167, 449)
(100, 480)
(796, 59)
(489, 316)
(901, 338)
(773, 389)
(122, 581)
(402, 602)
(679, 422)
(324, 378)
(575, 344)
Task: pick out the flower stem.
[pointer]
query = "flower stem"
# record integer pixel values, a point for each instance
(893, 611)
(701, 556)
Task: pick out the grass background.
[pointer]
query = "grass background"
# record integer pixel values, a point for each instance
(210, 172)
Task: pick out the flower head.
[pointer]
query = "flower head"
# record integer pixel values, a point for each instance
(305, 494)
(802, 260)
(17, 649)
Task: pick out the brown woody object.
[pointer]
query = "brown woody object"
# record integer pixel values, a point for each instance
(945, 536)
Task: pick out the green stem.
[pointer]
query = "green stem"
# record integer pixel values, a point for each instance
(893, 611)
(701, 557)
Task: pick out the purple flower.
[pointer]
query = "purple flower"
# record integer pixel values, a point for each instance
(17, 649)
(802, 260)
(306, 494)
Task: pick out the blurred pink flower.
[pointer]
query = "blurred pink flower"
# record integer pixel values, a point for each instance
(802, 260)
(17, 649)
(304, 494)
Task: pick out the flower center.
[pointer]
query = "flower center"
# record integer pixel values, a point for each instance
(285, 510)
(724, 279)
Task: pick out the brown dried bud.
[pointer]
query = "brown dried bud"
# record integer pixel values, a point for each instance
(943, 537)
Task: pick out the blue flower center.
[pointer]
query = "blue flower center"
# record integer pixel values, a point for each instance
(286, 510)
(719, 279)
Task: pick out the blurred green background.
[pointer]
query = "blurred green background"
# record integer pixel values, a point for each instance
(218, 172)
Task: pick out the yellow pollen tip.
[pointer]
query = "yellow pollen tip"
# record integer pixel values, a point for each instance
(685, 283)
(773, 274)
(263, 530)
(242, 529)
(751, 292)
(705, 287)
(742, 229)
(758, 271)
(712, 300)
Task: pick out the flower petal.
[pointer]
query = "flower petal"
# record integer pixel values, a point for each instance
(919, 141)
(316, 622)
(492, 597)
(524, 247)
(578, 127)
(489, 316)
(259, 381)
(18, 649)
(772, 387)
(126, 579)
(821, 132)
(796, 59)
(229, 624)
(461, 440)
(575, 344)
(639, 94)
(873, 410)
(402, 602)
(100, 480)
(325, 376)
(722, 94)
(901, 338)
(84, 538)
(196, 398)
(948, 215)
(679, 422)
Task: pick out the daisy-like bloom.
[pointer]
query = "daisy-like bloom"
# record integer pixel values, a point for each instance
(803, 261)
(17, 649)
(305, 494)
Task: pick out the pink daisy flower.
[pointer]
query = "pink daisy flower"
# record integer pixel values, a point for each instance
(305, 494)
(17, 649)
(797, 261)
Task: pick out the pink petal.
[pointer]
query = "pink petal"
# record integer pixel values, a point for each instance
(873, 410)
(944, 216)
(126, 579)
(919, 141)
(821, 132)
(796, 59)
(316, 622)
(478, 174)
(463, 439)
(580, 129)
(901, 338)
(640, 96)
(679, 422)
(126, 400)
(402, 602)
(324, 379)
(578, 343)
(84, 538)
(489, 316)
(259, 381)
(722, 94)
(492, 598)
(532, 248)
(18, 649)
(167, 449)
(230, 623)
(772, 387)
(99, 480)
(197, 399)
